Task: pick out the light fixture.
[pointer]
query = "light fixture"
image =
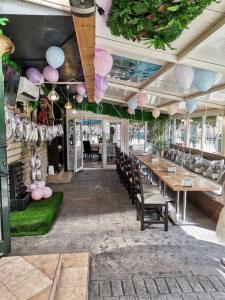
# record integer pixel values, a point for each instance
(82, 8)
(53, 95)
(68, 105)
(100, 10)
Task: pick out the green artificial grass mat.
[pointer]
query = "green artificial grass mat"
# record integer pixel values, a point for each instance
(38, 217)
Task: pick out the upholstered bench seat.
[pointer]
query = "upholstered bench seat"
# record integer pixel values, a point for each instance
(152, 199)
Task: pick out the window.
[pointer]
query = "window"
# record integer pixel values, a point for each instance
(213, 134)
(195, 140)
(179, 134)
(136, 136)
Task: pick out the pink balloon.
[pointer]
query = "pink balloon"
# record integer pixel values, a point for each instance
(51, 74)
(31, 187)
(97, 101)
(40, 184)
(142, 99)
(103, 62)
(184, 75)
(101, 83)
(47, 192)
(130, 111)
(34, 75)
(37, 194)
(81, 89)
(79, 98)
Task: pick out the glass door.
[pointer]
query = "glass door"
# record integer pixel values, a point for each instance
(78, 165)
(112, 142)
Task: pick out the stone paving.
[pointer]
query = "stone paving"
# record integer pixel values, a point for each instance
(159, 288)
(97, 217)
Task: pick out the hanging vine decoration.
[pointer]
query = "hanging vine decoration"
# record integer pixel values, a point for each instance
(157, 22)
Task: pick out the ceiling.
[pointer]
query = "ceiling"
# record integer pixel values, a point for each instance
(44, 31)
(202, 45)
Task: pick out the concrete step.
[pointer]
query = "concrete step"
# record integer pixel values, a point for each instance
(61, 177)
(74, 277)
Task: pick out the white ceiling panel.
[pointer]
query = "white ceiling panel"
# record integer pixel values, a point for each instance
(212, 50)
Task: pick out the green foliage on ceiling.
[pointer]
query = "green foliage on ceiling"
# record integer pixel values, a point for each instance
(115, 111)
(5, 58)
(157, 22)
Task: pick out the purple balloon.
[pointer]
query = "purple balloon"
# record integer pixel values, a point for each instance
(51, 74)
(34, 75)
(81, 89)
(101, 83)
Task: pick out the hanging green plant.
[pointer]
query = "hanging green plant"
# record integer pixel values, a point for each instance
(157, 22)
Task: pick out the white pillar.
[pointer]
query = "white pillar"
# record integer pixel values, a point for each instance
(187, 132)
(203, 132)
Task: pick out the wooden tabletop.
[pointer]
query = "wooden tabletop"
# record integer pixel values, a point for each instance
(174, 180)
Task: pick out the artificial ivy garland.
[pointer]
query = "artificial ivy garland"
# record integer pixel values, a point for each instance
(157, 22)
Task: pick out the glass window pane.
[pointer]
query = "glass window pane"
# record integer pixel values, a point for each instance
(195, 133)
(213, 134)
(136, 136)
(179, 134)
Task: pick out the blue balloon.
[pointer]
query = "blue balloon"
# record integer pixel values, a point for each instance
(191, 106)
(204, 79)
(55, 57)
(132, 104)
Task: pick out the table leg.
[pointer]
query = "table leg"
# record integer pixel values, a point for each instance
(184, 205)
(178, 204)
(160, 187)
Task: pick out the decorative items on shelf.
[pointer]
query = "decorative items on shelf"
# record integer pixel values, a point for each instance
(35, 165)
(18, 127)
(157, 23)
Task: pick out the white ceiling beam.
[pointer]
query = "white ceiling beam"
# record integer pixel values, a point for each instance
(152, 78)
(166, 104)
(133, 50)
(151, 92)
(123, 102)
(202, 38)
(58, 4)
(216, 88)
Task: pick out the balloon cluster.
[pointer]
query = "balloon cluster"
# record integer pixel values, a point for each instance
(103, 63)
(142, 100)
(39, 190)
(81, 92)
(187, 76)
(55, 58)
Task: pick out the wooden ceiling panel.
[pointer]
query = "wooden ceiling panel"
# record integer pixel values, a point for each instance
(85, 32)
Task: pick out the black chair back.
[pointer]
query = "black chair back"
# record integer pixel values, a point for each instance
(87, 147)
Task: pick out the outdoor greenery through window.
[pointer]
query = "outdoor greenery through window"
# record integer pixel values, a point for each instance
(213, 134)
(195, 133)
(136, 136)
(179, 134)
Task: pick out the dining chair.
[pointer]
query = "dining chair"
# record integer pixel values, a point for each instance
(148, 202)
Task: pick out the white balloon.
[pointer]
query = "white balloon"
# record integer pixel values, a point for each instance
(55, 57)
(172, 109)
(184, 75)
(156, 113)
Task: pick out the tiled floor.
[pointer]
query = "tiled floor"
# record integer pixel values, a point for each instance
(97, 216)
(31, 277)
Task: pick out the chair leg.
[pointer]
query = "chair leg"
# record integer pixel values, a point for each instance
(158, 213)
(166, 217)
(142, 217)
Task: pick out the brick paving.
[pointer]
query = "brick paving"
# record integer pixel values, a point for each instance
(159, 288)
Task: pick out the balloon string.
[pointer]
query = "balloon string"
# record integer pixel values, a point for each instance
(117, 111)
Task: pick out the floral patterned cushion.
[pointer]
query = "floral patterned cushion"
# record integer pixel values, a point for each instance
(221, 177)
(214, 170)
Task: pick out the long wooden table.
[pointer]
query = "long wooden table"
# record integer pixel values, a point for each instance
(158, 166)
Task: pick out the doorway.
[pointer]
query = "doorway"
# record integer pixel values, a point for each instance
(92, 133)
